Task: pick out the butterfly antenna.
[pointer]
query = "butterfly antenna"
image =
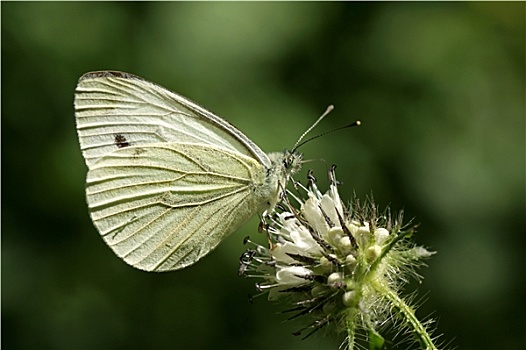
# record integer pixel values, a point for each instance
(298, 143)
(356, 123)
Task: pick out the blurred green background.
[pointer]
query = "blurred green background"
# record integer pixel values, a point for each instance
(440, 91)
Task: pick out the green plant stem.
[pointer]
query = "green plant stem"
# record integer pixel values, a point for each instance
(351, 323)
(407, 314)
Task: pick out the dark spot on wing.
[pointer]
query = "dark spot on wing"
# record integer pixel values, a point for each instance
(120, 141)
(138, 151)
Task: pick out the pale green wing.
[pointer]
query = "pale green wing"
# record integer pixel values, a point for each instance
(164, 206)
(115, 109)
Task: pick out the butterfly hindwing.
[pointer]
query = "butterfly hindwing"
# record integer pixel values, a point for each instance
(163, 206)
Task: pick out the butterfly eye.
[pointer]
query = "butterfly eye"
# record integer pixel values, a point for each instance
(288, 160)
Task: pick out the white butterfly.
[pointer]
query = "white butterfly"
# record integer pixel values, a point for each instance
(168, 180)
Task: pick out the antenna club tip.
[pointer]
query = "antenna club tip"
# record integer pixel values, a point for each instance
(328, 110)
(358, 123)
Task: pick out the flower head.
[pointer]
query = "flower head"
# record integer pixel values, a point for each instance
(337, 264)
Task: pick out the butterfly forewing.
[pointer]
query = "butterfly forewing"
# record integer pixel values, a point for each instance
(163, 206)
(115, 109)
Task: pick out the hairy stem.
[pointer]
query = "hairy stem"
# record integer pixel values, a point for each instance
(407, 314)
(351, 323)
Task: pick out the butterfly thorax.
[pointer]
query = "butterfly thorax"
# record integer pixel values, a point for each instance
(283, 166)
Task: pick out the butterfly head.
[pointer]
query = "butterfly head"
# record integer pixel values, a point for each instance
(291, 163)
(284, 165)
